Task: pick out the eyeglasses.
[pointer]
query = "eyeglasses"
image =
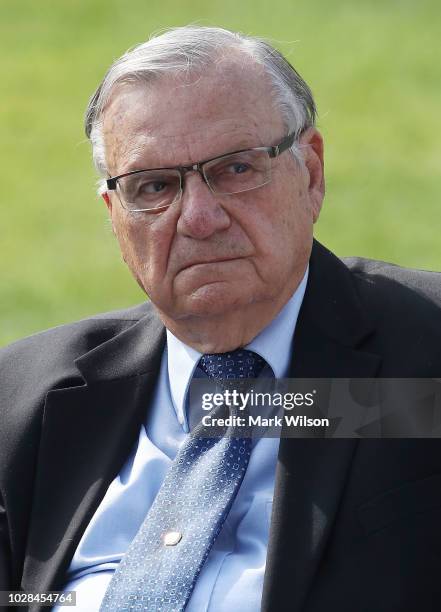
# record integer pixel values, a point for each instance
(154, 190)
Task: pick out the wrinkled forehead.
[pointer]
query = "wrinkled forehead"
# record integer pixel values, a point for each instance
(234, 96)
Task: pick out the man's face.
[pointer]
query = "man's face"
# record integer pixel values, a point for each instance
(212, 255)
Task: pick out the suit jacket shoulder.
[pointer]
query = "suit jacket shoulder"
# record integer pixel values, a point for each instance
(404, 306)
(396, 281)
(46, 360)
(33, 366)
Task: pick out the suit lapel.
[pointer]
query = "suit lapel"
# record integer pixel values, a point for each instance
(311, 473)
(87, 434)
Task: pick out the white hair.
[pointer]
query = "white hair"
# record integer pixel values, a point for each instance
(190, 49)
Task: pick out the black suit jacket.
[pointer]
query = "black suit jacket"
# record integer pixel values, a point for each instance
(356, 523)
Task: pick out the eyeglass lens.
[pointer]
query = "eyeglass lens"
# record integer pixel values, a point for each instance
(226, 175)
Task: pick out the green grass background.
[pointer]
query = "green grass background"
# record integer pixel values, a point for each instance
(375, 69)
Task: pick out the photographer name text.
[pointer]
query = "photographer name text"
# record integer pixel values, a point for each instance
(259, 421)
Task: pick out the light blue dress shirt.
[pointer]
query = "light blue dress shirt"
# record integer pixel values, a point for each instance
(232, 576)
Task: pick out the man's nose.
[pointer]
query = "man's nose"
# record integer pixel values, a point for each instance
(201, 211)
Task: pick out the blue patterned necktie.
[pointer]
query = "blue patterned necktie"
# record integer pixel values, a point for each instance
(161, 566)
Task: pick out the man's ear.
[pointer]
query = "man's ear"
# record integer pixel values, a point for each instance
(107, 199)
(313, 158)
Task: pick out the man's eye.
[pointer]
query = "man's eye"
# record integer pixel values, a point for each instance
(234, 168)
(153, 187)
(239, 168)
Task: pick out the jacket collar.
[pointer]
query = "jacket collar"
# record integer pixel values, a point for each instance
(332, 303)
(132, 352)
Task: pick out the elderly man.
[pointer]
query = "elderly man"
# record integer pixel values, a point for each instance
(212, 173)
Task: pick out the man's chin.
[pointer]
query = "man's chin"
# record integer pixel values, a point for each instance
(194, 279)
(214, 299)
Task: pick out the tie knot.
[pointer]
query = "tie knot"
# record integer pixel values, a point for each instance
(240, 363)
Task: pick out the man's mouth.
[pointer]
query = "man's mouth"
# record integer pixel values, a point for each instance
(201, 262)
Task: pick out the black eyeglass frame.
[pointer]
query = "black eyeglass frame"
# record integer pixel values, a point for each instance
(274, 151)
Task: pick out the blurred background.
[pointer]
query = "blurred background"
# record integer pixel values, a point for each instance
(374, 67)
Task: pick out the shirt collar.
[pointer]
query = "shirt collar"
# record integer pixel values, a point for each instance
(274, 344)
